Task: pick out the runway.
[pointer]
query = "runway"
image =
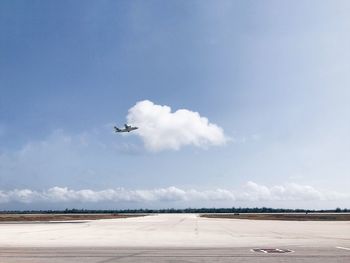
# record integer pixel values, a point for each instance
(175, 238)
(160, 255)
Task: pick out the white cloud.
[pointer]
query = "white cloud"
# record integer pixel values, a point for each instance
(161, 129)
(251, 192)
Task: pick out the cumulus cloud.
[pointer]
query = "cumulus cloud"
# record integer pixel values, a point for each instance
(287, 192)
(162, 129)
(251, 192)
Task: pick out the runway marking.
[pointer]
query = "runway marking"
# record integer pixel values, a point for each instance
(345, 248)
(271, 250)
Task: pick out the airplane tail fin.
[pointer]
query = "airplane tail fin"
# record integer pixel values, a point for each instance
(117, 129)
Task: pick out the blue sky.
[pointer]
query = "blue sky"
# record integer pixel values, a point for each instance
(272, 75)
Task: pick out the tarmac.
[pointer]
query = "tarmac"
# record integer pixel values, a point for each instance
(175, 238)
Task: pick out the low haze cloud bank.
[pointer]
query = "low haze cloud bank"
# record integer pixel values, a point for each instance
(250, 192)
(160, 129)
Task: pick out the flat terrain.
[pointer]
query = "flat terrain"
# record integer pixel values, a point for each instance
(285, 216)
(175, 238)
(59, 217)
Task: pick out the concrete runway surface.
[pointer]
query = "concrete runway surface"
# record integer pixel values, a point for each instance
(174, 238)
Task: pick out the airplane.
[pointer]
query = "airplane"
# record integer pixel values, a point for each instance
(128, 128)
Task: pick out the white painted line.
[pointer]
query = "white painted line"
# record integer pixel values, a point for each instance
(258, 250)
(345, 248)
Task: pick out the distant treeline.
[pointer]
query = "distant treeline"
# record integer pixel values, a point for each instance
(173, 210)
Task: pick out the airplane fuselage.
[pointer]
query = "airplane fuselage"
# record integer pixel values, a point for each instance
(127, 128)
